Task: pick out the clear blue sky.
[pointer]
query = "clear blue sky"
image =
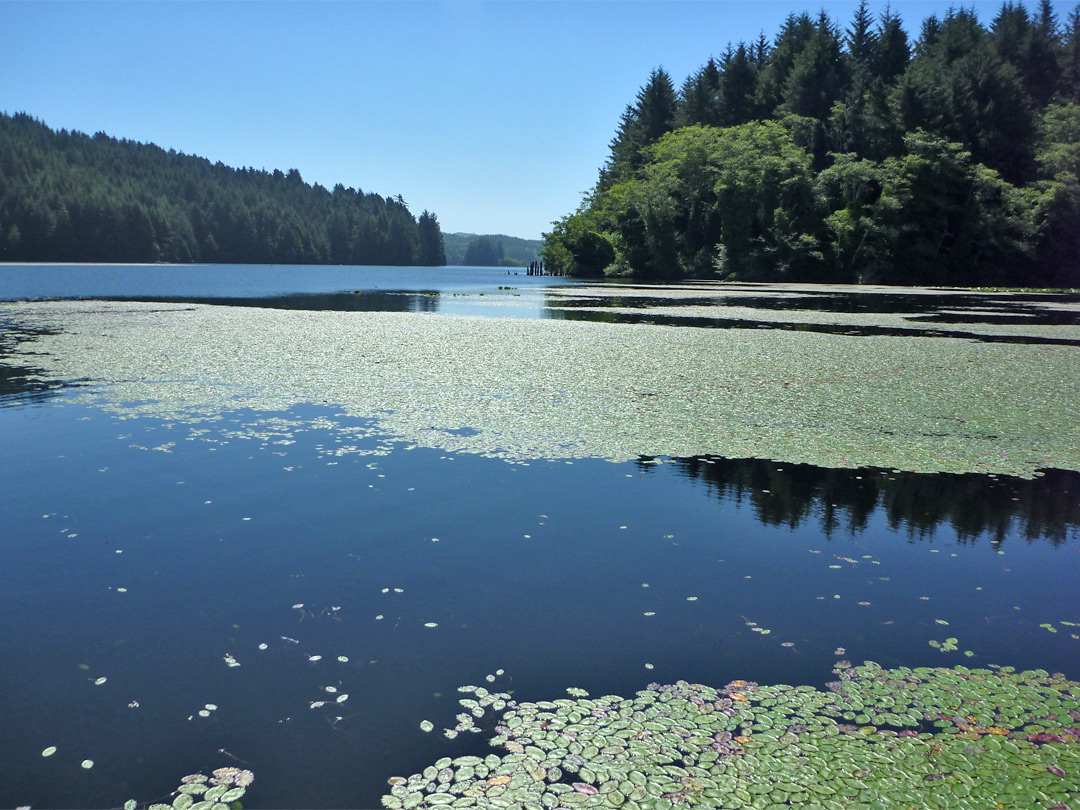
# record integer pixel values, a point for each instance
(496, 116)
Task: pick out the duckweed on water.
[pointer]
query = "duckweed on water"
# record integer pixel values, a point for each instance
(912, 738)
(518, 389)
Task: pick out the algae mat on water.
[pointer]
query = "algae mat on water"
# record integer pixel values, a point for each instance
(900, 738)
(523, 389)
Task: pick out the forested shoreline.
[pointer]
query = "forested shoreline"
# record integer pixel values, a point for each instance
(70, 197)
(856, 155)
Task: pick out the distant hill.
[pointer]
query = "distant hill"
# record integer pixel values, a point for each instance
(70, 197)
(490, 250)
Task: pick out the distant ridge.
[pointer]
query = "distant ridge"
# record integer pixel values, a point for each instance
(473, 249)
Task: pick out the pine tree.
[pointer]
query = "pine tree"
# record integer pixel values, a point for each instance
(795, 35)
(861, 40)
(1070, 62)
(817, 77)
(699, 100)
(432, 253)
(892, 51)
(642, 123)
(738, 88)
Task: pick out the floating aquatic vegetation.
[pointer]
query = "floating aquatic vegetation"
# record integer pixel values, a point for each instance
(914, 738)
(616, 391)
(198, 791)
(948, 645)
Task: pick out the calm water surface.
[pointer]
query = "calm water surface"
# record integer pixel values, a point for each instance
(145, 552)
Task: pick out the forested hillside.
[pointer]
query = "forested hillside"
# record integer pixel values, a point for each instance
(67, 197)
(490, 250)
(855, 155)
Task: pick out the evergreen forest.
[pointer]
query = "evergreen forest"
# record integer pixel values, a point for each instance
(855, 154)
(69, 197)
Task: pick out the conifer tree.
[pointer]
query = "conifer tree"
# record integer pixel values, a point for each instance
(738, 88)
(643, 122)
(892, 51)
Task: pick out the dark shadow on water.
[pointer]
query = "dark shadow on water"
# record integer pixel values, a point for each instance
(1020, 308)
(21, 382)
(844, 500)
(570, 314)
(348, 301)
(925, 305)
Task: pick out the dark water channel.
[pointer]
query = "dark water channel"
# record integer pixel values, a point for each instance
(148, 552)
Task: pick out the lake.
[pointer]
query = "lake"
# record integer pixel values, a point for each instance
(275, 517)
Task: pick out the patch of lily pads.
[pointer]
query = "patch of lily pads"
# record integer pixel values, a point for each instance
(876, 738)
(524, 389)
(222, 790)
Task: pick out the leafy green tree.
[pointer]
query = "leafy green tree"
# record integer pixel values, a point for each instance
(575, 247)
(1057, 257)
(738, 201)
(941, 218)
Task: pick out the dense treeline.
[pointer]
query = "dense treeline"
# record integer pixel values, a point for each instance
(854, 156)
(66, 196)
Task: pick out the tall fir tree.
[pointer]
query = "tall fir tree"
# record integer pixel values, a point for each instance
(642, 123)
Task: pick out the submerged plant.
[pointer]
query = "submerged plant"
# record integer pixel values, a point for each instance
(912, 738)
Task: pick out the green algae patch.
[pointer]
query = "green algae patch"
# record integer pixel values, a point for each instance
(912, 738)
(524, 389)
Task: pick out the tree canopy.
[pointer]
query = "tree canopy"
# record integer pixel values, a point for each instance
(67, 196)
(850, 155)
